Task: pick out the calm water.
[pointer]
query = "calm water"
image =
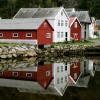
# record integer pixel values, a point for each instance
(71, 78)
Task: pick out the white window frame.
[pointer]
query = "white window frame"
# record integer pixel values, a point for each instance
(58, 34)
(66, 23)
(62, 34)
(14, 34)
(1, 34)
(48, 73)
(62, 22)
(61, 13)
(75, 24)
(27, 34)
(58, 22)
(27, 74)
(48, 35)
(15, 73)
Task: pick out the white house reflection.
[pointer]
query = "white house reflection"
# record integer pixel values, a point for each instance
(48, 78)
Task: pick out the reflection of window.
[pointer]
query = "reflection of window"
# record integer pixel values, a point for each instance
(65, 67)
(48, 35)
(61, 68)
(15, 34)
(15, 73)
(58, 80)
(58, 22)
(58, 69)
(1, 34)
(61, 79)
(29, 74)
(65, 78)
(29, 35)
(58, 34)
(75, 75)
(47, 73)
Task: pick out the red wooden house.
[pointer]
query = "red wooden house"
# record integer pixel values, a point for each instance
(40, 74)
(75, 29)
(35, 31)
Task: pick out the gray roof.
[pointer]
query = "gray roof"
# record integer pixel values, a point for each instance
(83, 16)
(20, 24)
(37, 12)
(98, 22)
(70, 9)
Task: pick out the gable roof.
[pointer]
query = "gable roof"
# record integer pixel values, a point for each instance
(70, 9)
(72, 19)
(83, 16)
(37, 12)
(21, 24)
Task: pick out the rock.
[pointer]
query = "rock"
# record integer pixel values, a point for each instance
(9, 56)
(3, 56)
(0, 51)
(14, 55)
(31, 53)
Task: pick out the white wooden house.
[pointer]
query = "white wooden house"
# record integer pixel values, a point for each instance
(57, 17)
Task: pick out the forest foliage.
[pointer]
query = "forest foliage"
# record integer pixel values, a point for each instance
(8, 8)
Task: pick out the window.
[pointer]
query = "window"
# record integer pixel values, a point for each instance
(29, 35)
(61, 68)
(48, 35)
(61, 79)
(75, 24)
(62, 34)
(1, 34)
(15, 73)
(48, 73)
(62, 13)
(45, 24)
(58, 69)
(66, 68)
(61, 22)
(58, 22)
(65, 22)
(29, 74)
(15, 34)
(75, 75)
(58, 34)
(58, 80)
(65, 78)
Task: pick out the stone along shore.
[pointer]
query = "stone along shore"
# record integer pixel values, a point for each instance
(7, 52)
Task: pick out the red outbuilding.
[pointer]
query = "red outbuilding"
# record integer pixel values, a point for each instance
(75, 29)
(35, 31)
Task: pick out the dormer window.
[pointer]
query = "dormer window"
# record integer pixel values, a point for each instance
(62, 13)
(45, 24)
(75, 24)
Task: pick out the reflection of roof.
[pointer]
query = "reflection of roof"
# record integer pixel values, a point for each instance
(83, 16)
(98, 22)
(37, 12)
(27, 23)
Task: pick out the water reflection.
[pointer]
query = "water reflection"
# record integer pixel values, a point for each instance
(36, 76)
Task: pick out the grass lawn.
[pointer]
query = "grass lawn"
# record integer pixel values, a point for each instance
(95, 39)
(75, 43)
(11, 44)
